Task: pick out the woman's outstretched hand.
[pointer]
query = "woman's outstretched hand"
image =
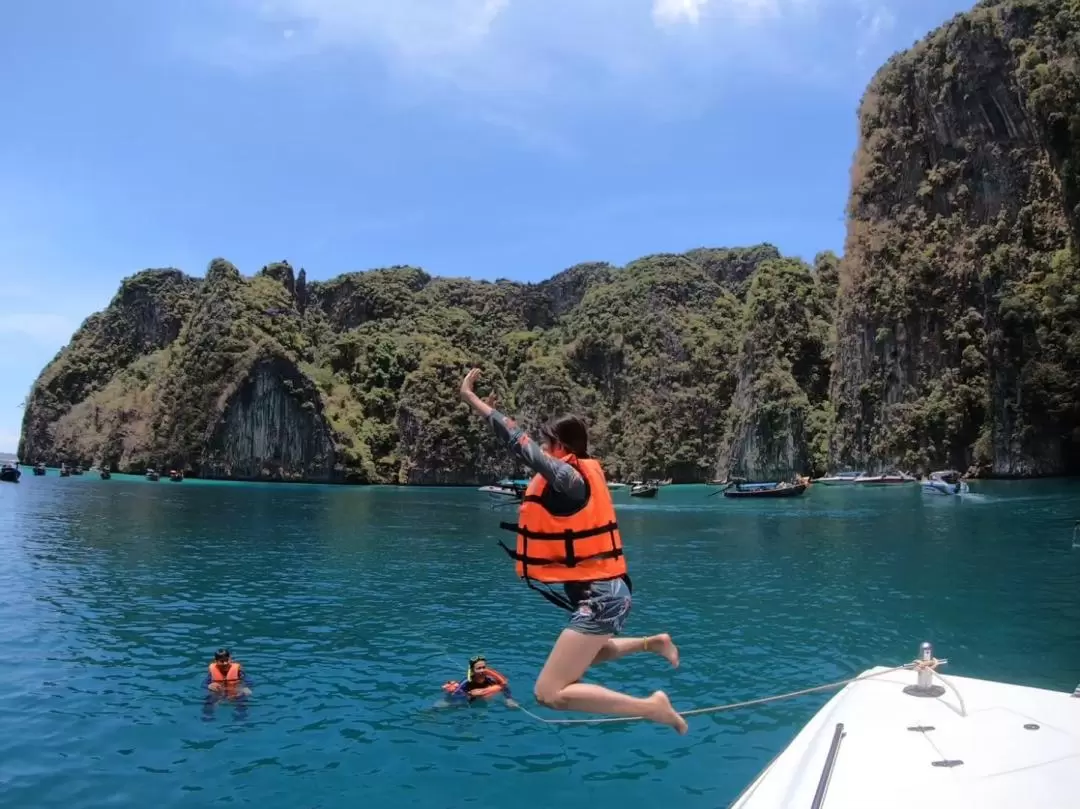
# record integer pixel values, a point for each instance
(468, 395)
(467, 392)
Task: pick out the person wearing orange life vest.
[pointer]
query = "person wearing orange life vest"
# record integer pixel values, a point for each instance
(227, 676)
(567, 535)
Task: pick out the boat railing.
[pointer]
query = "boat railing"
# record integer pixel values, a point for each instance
(830, 764)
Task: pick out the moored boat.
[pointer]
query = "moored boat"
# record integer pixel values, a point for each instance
(766, 489)
(153, 475)
(846, 478)
(506, 491)
(891, 479)
(105, 474)
(897, 736)
(39, 469)
(10, 473)
(176, 476)
(946, 482)
(648, 490)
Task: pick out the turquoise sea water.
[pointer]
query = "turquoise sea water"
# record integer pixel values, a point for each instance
(349, 607)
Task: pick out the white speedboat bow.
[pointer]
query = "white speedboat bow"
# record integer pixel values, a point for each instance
(898, 739)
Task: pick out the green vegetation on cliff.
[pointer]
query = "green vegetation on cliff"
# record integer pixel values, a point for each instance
(958, 315)
(356, 378)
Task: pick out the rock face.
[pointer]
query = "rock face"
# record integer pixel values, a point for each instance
(356, 379)
(958, 309)
(145, 316)
(779, 414)
(272, 427)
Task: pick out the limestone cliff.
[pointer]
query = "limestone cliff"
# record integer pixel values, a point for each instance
(779, 413)
(958, 316)
(355, 379)
(144, 317)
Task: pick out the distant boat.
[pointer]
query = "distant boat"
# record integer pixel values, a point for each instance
(846, 478)
(39, 469)
(65, 470)
(78, 470)
(505, 491)
(105, 474)
(766, 489)
(649, 490)
(176, 476)
(10, 473)
(153, 474)
(895, 479)
(946, 482)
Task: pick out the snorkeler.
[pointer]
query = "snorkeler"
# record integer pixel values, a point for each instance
(480, 682)
(226, 676)
(567, 534)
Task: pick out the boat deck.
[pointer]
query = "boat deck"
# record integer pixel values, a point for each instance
(1015, 747)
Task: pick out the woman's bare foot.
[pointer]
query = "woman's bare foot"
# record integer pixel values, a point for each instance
(664, 646)
(662, 712)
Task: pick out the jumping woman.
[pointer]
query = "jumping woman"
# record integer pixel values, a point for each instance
(567, 535)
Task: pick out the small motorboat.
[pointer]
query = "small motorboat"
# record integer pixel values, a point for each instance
(946, 482)
(892, 479)
(766, 489)
(10, 473)
(39, 469)
(105, 474)
(649, 490)
(65, 470)
(176, 476)
(78, 470)
(505, 491)
(846, 478)
(153, 474)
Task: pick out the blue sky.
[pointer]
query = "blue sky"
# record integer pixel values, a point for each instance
(488, 138)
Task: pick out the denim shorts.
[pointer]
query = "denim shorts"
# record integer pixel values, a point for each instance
(600, 607)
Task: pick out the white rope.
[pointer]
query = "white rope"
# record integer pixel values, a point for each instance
(932, 665)
(959, 696)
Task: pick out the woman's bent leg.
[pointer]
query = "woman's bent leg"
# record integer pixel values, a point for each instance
(661, 644)
(558, 686)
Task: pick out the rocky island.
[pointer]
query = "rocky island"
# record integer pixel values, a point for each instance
(947, 335)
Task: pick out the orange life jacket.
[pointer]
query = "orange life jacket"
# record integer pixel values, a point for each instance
(230, 676)
(579, 546)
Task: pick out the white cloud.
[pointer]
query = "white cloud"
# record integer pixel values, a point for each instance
(526, 65)
(875, 20)
(669, 12)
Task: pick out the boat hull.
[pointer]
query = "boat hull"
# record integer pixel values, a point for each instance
(501, 494)
(771, 492)
(876, 744)
(940, 487)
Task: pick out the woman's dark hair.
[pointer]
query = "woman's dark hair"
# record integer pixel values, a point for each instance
(569, 431)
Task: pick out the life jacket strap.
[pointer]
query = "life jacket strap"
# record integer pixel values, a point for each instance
(559, 536)
(570, 561)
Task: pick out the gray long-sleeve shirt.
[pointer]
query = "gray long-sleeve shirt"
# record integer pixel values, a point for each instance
(561, 476)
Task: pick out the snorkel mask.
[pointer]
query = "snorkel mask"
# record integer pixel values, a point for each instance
(472, 662)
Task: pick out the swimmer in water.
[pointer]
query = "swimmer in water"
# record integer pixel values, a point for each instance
(481, 682)
(567, 535)
(227, 677)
